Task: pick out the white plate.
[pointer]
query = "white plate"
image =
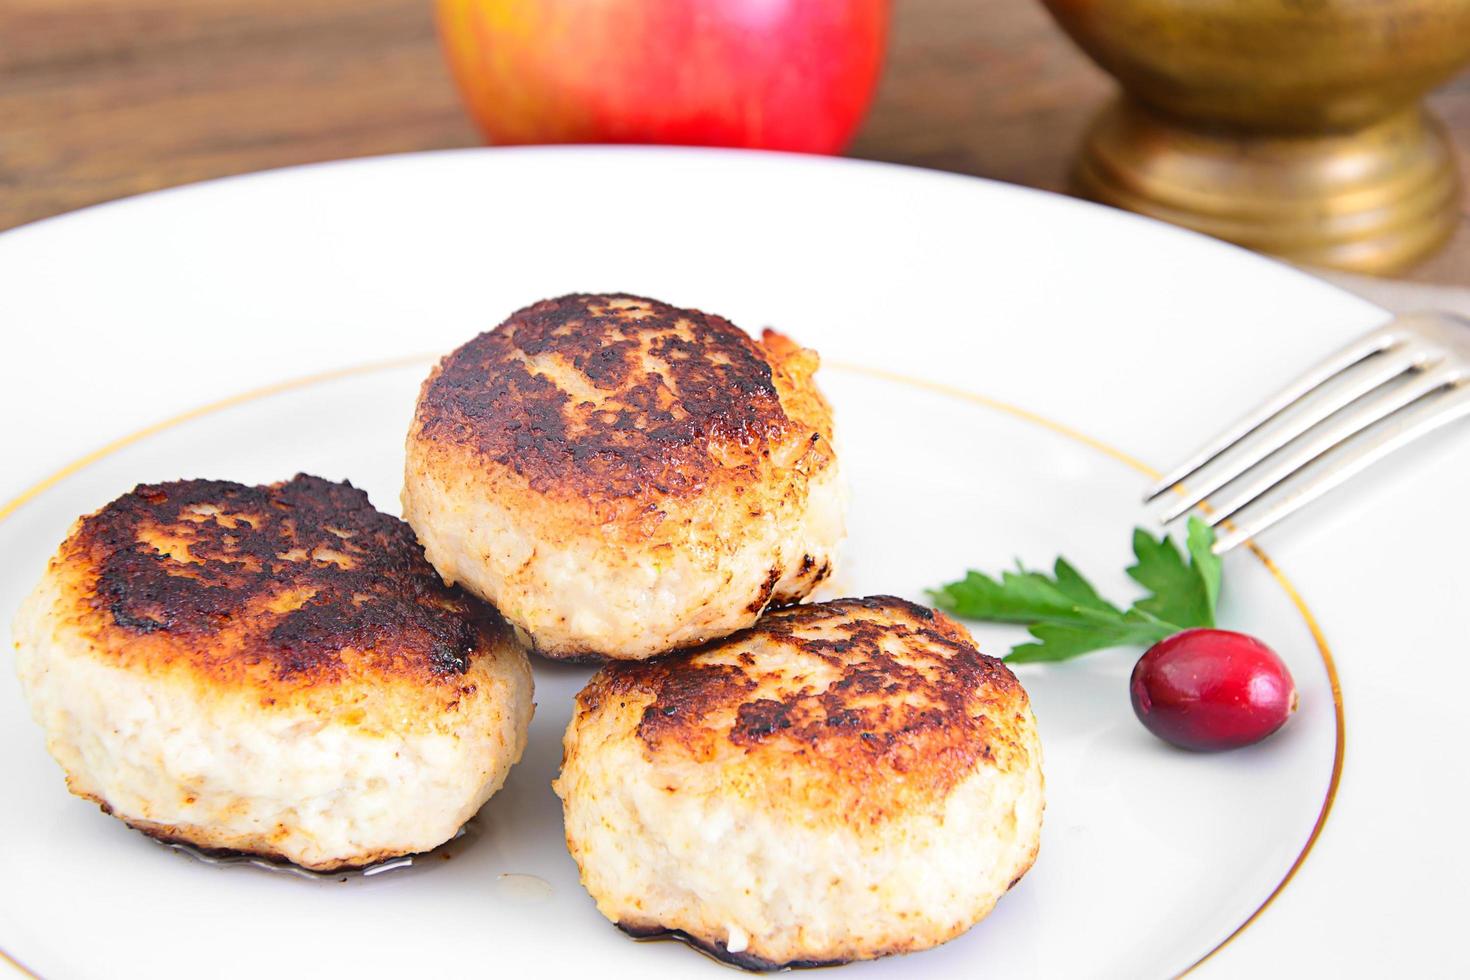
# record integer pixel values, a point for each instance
(923, 291)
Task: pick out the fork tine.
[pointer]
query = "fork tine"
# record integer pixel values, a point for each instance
(1383, 368)
(1452, 407)
(1334, 433)
(1364, 347)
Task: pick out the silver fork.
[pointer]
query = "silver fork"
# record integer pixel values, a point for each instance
(1372, 397)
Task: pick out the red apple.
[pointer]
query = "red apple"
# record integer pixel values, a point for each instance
(776, 74)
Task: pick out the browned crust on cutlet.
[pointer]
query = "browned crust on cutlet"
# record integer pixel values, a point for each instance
(911, 696)
(612, 396)
(291, 585)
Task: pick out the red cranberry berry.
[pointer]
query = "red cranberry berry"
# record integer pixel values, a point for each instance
(1211, 690)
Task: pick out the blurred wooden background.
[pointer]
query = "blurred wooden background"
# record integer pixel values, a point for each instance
(105, 98)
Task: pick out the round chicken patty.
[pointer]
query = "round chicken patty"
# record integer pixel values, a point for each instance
(842, 781)
(272, 670)
(622, 478)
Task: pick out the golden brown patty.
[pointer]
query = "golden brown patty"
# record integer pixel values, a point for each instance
(274, 670)
(621, 477)
(844, 780)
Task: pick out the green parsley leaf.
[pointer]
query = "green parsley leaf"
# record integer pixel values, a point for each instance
(1055, 641)
(1067, 617)
(1176, 595)
(1183, 594)
(1024, 597)
(1078, 589)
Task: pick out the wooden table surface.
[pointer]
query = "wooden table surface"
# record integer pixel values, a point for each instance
(104, 98)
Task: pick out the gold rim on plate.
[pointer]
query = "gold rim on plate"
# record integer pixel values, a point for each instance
(8, 509)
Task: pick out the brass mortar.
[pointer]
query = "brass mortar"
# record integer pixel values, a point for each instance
(1288, 126)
